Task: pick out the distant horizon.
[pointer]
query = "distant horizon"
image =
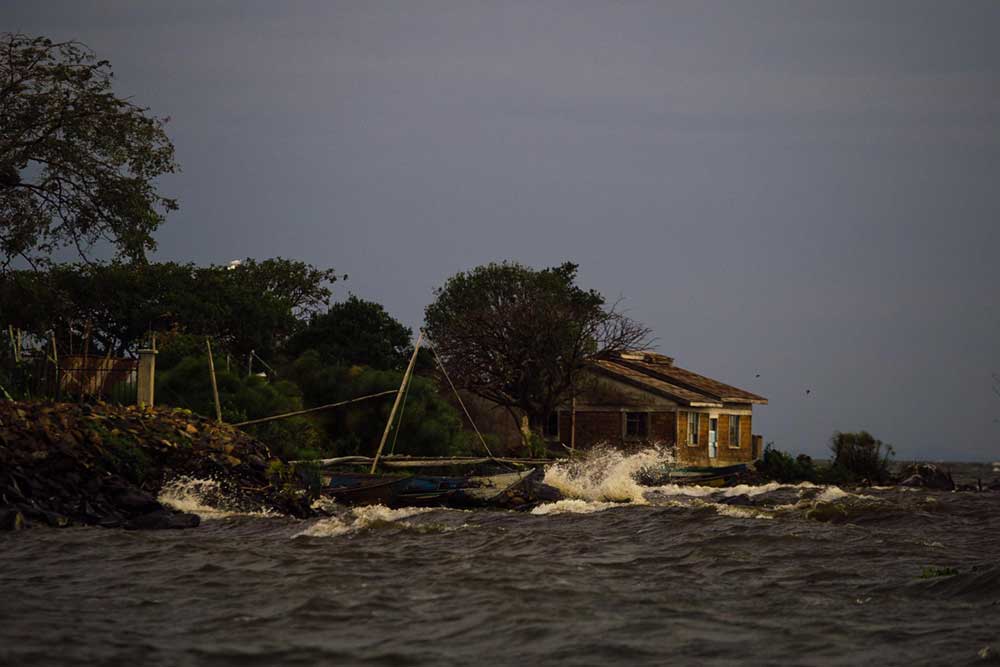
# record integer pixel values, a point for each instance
(792, 197)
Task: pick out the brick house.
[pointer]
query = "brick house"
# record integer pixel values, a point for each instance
(632, 400)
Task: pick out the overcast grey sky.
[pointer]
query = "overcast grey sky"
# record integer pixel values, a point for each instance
(804, 191)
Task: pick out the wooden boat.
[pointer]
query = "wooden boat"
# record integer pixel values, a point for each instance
(505, 490)
(513, 489)
(699, 476)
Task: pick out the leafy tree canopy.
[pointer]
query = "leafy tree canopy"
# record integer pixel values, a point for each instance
(519, 336)
(77, 164)
(112, 308)
(427, 426)
(354, 332)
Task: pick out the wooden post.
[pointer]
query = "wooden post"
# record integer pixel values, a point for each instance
(215, 387)
(572, 425)
(395, 404)
(13, 343)
(146, 377)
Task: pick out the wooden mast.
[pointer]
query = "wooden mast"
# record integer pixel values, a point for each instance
(395, 404)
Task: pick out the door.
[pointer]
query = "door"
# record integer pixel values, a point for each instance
(713, 438)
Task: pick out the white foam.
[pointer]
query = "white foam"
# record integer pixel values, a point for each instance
(573, 506)
(203, 497)
(738, 512)
(605, 474)
(831, 493)
(359, 518)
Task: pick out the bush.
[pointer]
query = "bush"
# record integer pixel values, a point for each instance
(429, 425)
(188, 385)
(860, 456)
(782, 467)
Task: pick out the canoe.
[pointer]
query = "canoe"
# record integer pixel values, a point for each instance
(428, 491)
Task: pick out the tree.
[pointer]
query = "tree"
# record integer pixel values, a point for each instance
(111, 308)
(427, 425)
(354, 332)
(77, 163)
(519, 337)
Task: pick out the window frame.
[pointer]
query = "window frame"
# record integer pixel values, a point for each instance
(734, 421)
(643, 422)
(692, 433)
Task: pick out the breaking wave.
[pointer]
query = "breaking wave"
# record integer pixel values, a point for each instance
(361, 518)
(606, 475)
(205, 498)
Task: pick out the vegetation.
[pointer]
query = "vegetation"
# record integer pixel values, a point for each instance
(783, 467)
(860, 456)
(113, 308)
(857, 458)
(77, 163)
(354, 332)
(243, 398)
(520, 337)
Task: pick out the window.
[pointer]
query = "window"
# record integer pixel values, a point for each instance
(636, 424)
(734, 431)
(693, 428)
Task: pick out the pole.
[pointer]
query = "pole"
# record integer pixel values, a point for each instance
(215, 388)
(572, 426)
(250, 364)
(395, 404)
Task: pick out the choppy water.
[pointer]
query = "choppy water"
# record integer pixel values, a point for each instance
(680, 575)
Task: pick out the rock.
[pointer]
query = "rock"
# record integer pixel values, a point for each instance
(12, 519)
(994, 485)
(163, 520)
(137, 502)
(928, 476)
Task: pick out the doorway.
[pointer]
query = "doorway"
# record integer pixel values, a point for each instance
(713, 438)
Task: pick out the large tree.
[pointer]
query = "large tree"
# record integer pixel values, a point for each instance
(354, 332)
(519, 337)
(111, 308)
(77, 163)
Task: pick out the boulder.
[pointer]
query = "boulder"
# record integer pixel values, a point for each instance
(135, 501)
(12, 519)
(927, 476)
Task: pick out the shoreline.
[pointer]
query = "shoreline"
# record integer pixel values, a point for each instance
(98, 464)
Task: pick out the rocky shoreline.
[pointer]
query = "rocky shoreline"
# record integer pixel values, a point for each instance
(64, 464)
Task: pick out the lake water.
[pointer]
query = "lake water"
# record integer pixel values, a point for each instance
(767, 575)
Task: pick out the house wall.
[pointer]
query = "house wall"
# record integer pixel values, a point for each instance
(697, 455)
(607, 426)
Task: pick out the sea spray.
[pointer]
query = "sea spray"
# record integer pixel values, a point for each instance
(572, 506)
(205, 498)
(605, 474)
(360, 518)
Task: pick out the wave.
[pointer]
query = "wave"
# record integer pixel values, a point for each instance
(606, 475)
(205, 498)
(361, 518)
(573, 506)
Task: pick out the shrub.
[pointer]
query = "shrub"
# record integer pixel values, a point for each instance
(782, 467)
(860, 456)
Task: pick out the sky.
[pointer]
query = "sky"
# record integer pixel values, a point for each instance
(803, 191)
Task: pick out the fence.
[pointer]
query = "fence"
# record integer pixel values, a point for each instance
(73, 377)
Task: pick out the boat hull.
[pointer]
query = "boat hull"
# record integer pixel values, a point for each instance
(430, 491)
